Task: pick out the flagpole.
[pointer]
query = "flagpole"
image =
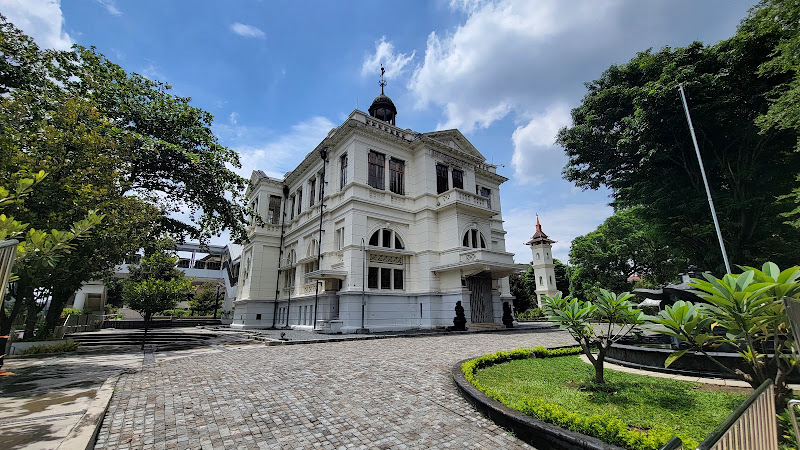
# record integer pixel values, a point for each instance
(705, 181)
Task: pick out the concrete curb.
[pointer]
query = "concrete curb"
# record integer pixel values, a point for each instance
(532, 431)
(84, 434)
(272, 341)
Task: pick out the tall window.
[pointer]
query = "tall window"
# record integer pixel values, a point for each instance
(273, 216)
(299, 201)
(294, 201)
(397, 174)
(321, 187)
(339, 238)
(290, 271)
(312, 185)
(487, 194)
(377, 164)
(254, 207)
(342, 171)
(441, 178)
(458, 179)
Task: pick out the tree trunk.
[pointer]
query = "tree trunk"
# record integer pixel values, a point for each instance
(60, 299)
(146, 318)
(598, 364)
(31, 318)
(7, 321)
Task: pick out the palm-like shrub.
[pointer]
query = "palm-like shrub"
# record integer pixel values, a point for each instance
(748, 307)
(594, 325)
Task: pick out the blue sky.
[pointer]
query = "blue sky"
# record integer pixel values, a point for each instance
(278, 75)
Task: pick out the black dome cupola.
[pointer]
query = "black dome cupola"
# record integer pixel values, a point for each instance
(382, 107)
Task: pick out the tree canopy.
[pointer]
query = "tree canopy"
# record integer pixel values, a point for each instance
(114, 142)
(622, 246)
(630, 134)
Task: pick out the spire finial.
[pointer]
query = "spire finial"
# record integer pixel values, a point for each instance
(538, 225)
(382, 83)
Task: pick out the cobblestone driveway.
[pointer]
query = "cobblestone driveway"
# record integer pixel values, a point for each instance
(386, 393)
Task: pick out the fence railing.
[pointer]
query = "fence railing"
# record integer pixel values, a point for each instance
(752, 426)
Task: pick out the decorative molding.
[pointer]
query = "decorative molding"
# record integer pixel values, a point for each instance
(385, 259)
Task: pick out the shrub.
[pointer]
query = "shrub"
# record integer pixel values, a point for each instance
(176, 312)
(51, 348)
(70, 312)
(531, 314)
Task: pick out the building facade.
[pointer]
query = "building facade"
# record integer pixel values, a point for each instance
(378, 228)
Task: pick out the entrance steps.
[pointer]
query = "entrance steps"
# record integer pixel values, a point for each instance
(486, 326)
(163, 339)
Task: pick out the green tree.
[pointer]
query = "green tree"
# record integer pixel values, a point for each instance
(206, 300)
(37, 253)
(594, 325)
(630, 134)
(156, 285)
(623, 245)
(523, 288)
(110, 141)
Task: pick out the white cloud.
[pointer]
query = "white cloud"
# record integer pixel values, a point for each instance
(536, 156)
(248, 31)
(562, 224)
(385, 54)
(111, 7)
(40, 19)
(282, 154)
(233, 118)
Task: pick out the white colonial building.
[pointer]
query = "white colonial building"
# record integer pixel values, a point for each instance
(379, 228)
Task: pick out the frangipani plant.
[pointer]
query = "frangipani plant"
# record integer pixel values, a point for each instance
(748, 308)
(616, 314)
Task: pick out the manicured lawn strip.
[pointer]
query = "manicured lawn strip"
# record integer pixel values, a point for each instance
(550, 390)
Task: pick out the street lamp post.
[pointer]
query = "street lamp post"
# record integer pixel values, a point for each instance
(363, 286)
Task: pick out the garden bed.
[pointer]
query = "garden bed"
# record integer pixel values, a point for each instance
(632, 411)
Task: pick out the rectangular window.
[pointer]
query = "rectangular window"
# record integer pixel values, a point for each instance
(441, 179)
(398, 279)
(372, 278)
(386, 278)
(397, 174)
(339, 238)
(458, 179)
(258, 316)
(321, 187)
(299, 201)
(312, 184)
(377, 165)
(343, 171)
(273, 217)
(294, 201)
(487, 194)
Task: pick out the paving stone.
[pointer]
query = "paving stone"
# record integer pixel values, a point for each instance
(385, 393)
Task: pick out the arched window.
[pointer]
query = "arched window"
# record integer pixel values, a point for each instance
(386, 238)
(313, 248)
(473, 238)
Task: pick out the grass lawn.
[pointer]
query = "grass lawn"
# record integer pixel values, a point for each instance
(691, 410)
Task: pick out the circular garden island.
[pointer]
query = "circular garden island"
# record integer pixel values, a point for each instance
(554, 390)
